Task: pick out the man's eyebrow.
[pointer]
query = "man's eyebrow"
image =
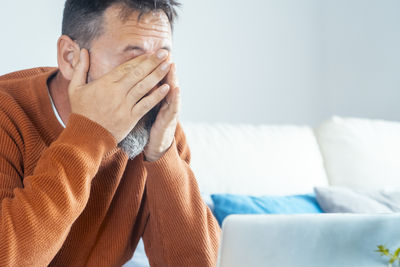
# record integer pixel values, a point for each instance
(134, 47)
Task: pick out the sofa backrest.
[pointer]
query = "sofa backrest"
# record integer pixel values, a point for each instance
(361, 153)
(257, 160)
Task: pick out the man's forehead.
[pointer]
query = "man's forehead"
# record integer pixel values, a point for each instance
(152, 24)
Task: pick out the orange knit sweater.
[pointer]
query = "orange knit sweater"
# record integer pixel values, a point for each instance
(71, 197)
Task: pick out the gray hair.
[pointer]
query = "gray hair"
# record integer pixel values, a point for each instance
(83, 19)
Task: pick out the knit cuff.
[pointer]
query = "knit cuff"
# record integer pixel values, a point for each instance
(87, 134)
(168, 165)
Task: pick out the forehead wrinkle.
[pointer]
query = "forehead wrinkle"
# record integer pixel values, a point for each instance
(160, 27)
(154, 27)
(146, 40)
(132, 27)
(157, 21)
(143, 32)
(140, 33)
(161, 37)
(144, 28)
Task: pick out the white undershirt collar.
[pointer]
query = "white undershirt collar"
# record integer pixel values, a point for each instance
(55, 110)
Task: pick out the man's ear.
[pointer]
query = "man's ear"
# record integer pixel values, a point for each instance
(67, 56)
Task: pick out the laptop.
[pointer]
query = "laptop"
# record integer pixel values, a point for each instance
(329, 240)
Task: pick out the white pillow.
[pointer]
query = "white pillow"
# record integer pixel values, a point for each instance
(361, 153)
(256, 160)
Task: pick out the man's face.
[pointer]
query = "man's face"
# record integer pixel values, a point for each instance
(121, 41)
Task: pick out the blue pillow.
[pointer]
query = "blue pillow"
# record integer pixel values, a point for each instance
(227, 204)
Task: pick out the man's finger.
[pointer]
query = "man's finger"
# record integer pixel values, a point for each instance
(173, 100)
(118, 73)
(176, 107)
(134, 73)
(150, 101)
(81, 68)
(148, 83)
(172, 78)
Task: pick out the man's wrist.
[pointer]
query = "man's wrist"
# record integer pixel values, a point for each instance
(152, 155)
(150, 158)
(167, 167)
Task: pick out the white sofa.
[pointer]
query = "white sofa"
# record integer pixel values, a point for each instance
(283, 160)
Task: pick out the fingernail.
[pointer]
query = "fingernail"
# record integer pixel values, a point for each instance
(161, 54)
(164, 88)
(165, 66)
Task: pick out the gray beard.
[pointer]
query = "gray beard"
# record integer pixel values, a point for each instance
(135, 142)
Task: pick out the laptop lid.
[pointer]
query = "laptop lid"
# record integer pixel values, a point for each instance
(329, 240)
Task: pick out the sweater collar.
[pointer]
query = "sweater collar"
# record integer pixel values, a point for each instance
(47, 120)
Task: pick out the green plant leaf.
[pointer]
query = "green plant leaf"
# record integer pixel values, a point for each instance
(383, 250)
(397, 252)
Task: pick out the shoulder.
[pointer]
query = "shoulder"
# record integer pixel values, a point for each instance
(25, 93)
(8, 105)
(22, 75)
(20, 85)
(13, 117)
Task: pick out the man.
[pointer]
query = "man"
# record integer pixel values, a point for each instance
(84, 194)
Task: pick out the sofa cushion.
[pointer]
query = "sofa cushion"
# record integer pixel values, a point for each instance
(344, 200)
(361, 153)
(228, 204)
(256, 160)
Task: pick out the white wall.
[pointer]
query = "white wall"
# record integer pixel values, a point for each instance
(360, 41)
(256, 61)
(29, 32)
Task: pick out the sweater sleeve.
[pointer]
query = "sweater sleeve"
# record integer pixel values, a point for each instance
(37, 211)
(181, 230)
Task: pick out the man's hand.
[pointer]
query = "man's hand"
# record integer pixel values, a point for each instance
(113, 100)
(163, 130)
